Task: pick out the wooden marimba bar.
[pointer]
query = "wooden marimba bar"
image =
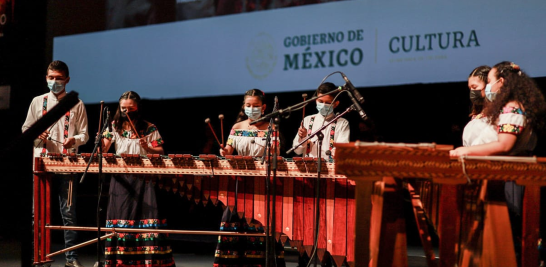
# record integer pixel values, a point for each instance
(178, 164)
(379, 170)
(206, 178)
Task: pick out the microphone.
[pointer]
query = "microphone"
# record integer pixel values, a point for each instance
(352, 89)
(357, 106)
(107, 121)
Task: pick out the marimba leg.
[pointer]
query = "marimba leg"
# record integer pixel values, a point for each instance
(472, 220)
(392, 243)
(363, 219)
(449, 224)
(531, 226)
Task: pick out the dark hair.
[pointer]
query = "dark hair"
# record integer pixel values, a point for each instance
(252, 92)
(521, 88)
(140, 125)
(480, 72)
(326, 88)
(58, 65)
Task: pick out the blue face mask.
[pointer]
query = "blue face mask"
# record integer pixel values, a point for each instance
(325, 109)
(55, 86)
(253, 113)
(488, 94)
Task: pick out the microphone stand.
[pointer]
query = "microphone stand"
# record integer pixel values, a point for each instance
(271, 164)
(288, 110)
(274, 212)
(98, 141)
(320, 137)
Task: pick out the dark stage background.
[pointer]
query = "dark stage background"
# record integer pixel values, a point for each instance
(409, 113)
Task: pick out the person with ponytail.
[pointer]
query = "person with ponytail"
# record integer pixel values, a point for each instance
(478, 130)
(476, 83)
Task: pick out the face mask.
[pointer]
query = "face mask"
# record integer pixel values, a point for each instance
(55, 86)
(325, 109)
(476, 97)
(253, 113)
(490, 95)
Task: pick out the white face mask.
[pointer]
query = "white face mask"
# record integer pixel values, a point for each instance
(253, 113)
(490, 95)
(55, 86)
(325, 109)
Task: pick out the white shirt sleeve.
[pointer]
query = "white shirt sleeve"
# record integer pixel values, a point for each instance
(343, 132)
(31, 115)
(80, 125)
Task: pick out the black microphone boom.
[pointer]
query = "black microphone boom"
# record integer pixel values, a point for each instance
(357, 106)
(108, 119)
(352, 89)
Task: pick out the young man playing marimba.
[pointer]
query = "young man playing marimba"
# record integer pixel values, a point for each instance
(69, 132)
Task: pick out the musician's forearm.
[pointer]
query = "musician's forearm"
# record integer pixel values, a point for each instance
(155, 150)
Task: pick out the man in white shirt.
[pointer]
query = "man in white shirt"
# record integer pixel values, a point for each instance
(337, 132)
(64, 136)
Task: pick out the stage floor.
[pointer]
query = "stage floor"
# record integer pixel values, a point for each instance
(186, 254)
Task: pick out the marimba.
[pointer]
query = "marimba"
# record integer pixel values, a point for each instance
(206, 178)
(380, 227)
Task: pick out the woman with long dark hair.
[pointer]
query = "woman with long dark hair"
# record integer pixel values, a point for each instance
(133, 202)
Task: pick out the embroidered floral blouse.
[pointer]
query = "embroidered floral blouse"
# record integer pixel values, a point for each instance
(512, 121)
(248, 142)
(127, 143)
